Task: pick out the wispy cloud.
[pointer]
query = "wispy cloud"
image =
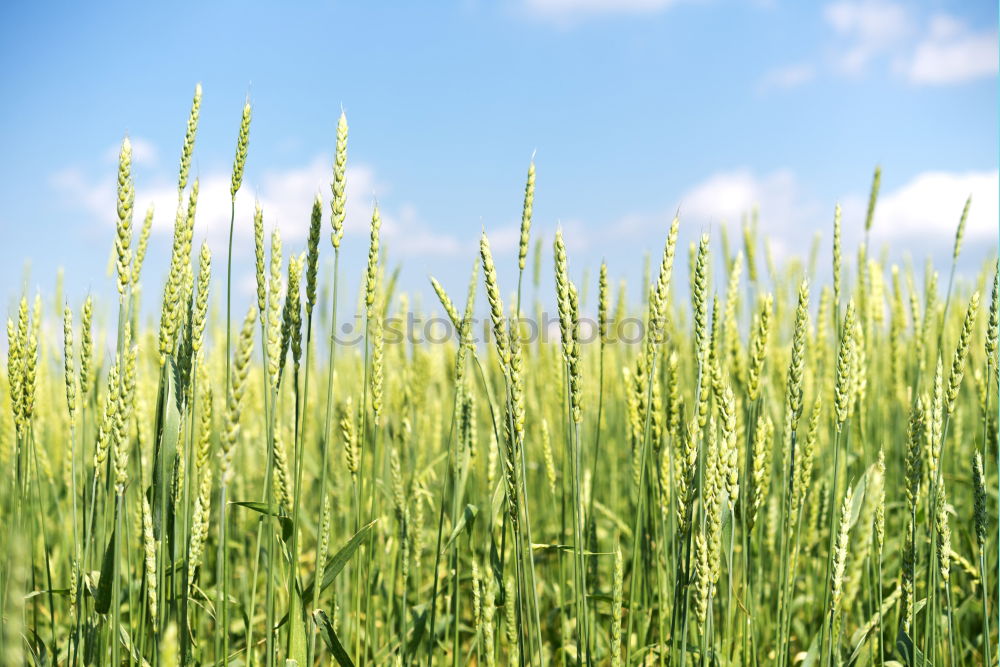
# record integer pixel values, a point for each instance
(866, 31)
(789, 76)
(728, 195)
(938, 50)
(952, 53)
(565, 11)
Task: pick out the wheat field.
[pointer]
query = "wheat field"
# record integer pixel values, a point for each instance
(757, 467)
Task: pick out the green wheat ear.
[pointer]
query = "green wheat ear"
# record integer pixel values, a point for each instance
(242, 145)
(837, 259)
(189, 136)
(960, 231)
(758, 347)
(142, 245)
(796, 367)
(493, 296)
(371, 272)
(529, 202)
(149, 548)
(845, 366)
(961, 352)
(126, 199)
(603, 303)
(14, 373)
(200, 315)
(761, 468)
(291, 316)
(839, 564)
(86, 345)
(873, 198)
(378, 364)
(352, 454)
(699, 300)
(274, 311)
(338, 186)
(750, 248)
(68, 354)
(312, 255)
(258, 247)
(446, 303)
(943, 535)
(979, 496)
(234, 399)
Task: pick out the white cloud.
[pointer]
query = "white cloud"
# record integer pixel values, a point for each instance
(928, 207)
(563, 10)
(726, 196)
(952, 53)
(941, 50)
(867, 30)
(924, 209)
(72, 182)
(919, 216)
(788, 76)
(285, 196)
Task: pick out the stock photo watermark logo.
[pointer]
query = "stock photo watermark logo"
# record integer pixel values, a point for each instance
(417, 329)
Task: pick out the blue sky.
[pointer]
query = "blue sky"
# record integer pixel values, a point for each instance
(635, 107)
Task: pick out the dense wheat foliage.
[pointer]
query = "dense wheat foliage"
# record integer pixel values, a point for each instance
(749, 466)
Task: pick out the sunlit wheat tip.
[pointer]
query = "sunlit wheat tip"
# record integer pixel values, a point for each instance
(529, 201)
(126, 199)
(337, 187)
(189, 137)
(242, 143)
